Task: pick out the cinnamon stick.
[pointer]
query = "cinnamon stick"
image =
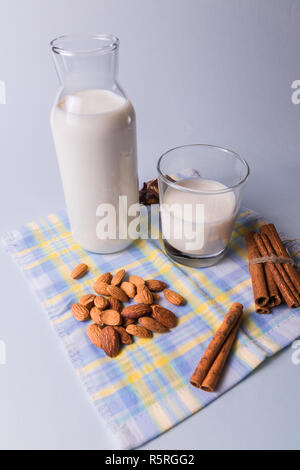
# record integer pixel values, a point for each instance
(280, 268)
(231, 318)
(270, 231)
(211, 380)
(257, 273)
(283, 287)
(274, 295)
(264, 310)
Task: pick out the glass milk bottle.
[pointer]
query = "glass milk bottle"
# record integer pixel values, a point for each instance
(94, 131)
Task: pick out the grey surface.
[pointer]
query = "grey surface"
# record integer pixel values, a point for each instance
(197, 71)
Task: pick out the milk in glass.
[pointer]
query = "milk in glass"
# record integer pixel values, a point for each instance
(199, 219)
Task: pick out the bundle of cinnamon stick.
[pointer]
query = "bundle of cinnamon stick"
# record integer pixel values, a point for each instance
(211, 365)
(275, 279)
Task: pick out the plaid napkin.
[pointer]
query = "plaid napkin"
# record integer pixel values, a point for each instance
(145, 390)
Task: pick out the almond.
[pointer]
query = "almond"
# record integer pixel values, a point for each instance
(136, 280)
(106, 277)
(115, 304)
(128, 321)
(79, 271)
(136, 311)
(164, 316)
(124, 336)
(110, 341)
(173, 297)
(96, 316)
(117, 293)
(110, 317)
(101, 302)
(87, 300)
(80, 312)
(155, 285)
(152, 325)
(100, 287)
(139, 331)
(94, 333)
(118, 277)
(155, 296)
(129, 289)
(144, 296)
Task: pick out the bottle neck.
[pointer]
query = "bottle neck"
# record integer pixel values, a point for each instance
(86, 66)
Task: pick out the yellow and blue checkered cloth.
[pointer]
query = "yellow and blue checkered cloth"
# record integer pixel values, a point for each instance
(145, 390)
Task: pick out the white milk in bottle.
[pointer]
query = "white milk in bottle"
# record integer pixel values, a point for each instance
(94, 135)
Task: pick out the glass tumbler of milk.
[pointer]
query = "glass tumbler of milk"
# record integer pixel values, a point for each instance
(200, 191)
(94, 130)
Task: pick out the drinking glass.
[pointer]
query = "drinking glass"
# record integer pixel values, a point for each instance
(200, 191)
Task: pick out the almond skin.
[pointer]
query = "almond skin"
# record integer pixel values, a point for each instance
(101, 302)
(100, 287)
(118, 277)
(80, 312)
(155, 285)
(164, 316)
(87, 301)
(173, 297)
(96, 316)
(94, 333)
(117, 293)
(139, 331)
(106, 277)
(79, 271)
(143, 296)
(110, 341)
(110, 317)
(152, 325)
(115, 304)
(125, 337)
(136, 311)
(136, 280)
(129, 289)
(128, 321)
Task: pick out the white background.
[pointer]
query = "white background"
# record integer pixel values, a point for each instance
(207, 71)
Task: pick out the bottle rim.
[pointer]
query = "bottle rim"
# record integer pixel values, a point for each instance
(84, 44)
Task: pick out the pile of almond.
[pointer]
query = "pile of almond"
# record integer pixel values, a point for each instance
(113, 324)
